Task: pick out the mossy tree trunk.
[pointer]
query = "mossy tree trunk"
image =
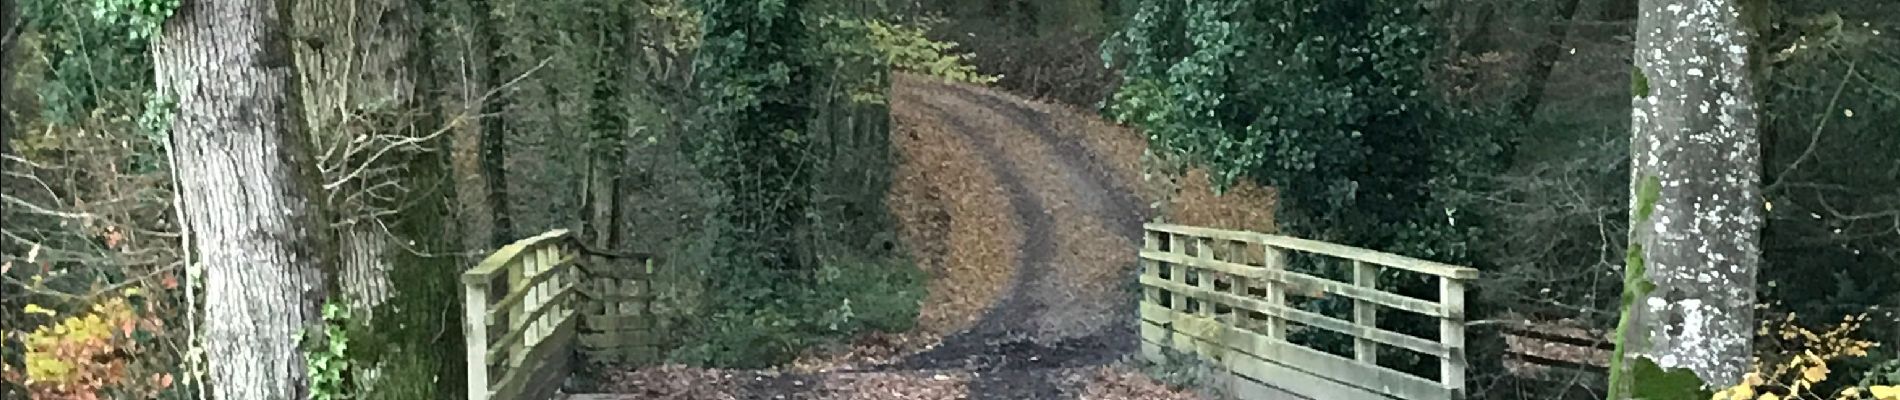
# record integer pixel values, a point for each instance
(248, 192)
(1689, 289)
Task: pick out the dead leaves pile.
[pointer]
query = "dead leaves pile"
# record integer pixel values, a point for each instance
(944, 193)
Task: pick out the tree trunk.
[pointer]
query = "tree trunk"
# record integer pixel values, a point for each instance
(354, 75)
(12, 350)
(1544, 59)
(246, 184)
(1689, 291)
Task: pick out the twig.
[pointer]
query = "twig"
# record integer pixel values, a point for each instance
(1814, 141)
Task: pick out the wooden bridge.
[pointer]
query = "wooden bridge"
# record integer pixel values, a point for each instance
(1225, 297)
(530, 307)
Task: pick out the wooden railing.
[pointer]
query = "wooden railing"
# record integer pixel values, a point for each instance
(518, 317)
(1223, 296)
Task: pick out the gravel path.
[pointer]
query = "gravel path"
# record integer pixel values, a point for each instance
(1068, 304)
(1062, 319)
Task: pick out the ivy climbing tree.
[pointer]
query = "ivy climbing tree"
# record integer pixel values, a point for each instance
(753, 145)
(1689, 286)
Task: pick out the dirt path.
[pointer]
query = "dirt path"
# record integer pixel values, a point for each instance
(1027, 218)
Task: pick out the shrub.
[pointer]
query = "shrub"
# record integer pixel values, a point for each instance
(88, 356)
(1793, 362)
(850, 298)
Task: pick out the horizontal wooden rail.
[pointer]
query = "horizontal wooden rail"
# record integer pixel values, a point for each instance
(1222, 294)
(1324, 248)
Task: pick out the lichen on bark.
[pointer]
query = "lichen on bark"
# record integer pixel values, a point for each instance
(1689, 286)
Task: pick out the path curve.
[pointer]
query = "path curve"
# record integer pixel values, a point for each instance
(1058, 197)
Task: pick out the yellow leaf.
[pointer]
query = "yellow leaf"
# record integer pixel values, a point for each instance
(36, 309)
(1752, 379)
(1885, 392)
(1814, 373)
(1741, 392)
(1769, 396)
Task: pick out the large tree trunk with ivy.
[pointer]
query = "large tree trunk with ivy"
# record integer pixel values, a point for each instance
(247, 191)
(1689, 290)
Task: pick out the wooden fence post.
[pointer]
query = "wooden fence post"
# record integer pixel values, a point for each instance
(1364, 313)
(1451, 332)
(475, 334)
(1276, 292)
(1205, 277)
(518, 313)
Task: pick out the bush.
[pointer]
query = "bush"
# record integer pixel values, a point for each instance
(1793, 362)
(850, 298)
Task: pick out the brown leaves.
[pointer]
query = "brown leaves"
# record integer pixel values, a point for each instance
(1108, 383)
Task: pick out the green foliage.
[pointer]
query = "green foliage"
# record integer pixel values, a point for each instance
(142, 19)
(848, 44)
(96, 51)
(1639, 82)
(1652, 382)
(906, 49)
(752, 90)
(1329, 103)
(849, 298)
(326, 356)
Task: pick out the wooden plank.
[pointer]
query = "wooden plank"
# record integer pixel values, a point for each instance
(597, 296)
(611, 339)
(516, 379)
(1318, 247)
(1283, 376)
(475, 338)
(616, 272)
(1203, 277)
(519, 330)
(616, 320)
(1310, 319)
(1556, 363)
(493, 264)
(1451, 331)
(1177, 272)
(1308, 361)
(1306, 283)
(517, 296)
(518, 316)
(1276, 290)
(1561, 339)
(1365, 313)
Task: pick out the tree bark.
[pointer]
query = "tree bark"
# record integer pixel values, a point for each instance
(353, 71)
(12, 350)
(1544, 59)
(461, 58)
(1689, 295)
(246, 181)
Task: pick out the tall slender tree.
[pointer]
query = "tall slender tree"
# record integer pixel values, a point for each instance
(1689, 289)
(246, 182)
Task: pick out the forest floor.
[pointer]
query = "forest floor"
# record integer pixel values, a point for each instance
(1026, 216)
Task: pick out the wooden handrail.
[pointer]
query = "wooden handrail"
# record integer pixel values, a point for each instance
(1306, 283)
(1318, 247)
(496, 262)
